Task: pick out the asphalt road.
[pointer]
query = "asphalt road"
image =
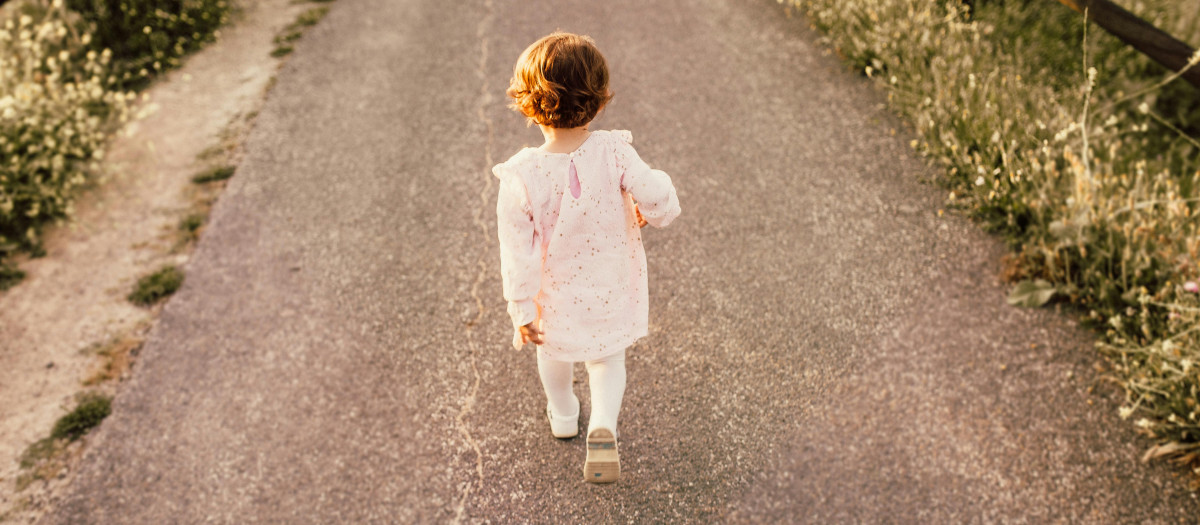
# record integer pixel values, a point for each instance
(824, 347)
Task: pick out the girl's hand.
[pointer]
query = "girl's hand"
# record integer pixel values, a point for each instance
(529, 333)
(641, 221)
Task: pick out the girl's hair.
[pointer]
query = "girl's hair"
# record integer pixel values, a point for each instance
(560, 81)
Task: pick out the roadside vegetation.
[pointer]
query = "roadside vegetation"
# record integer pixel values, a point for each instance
(1082, 153)
(156, 286)
(67, 76)
(44, 459)
(295, 30)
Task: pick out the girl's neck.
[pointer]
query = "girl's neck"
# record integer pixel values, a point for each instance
(563, 140)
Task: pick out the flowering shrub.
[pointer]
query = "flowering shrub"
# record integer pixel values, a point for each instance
(56, 99)
(148, 37)
(1077, 150)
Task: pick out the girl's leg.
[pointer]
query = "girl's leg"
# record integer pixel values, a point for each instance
(557, 377)
(607, 379)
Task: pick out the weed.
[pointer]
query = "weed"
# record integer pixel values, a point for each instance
(41, 460)
(310, 17)
(1077, 149)
(214, 174)
(211, 153)
(38, 451)
(152, 288)
(91, 410)
(117, 354)
(192, 223)
(10, 275)
(295, 30)
(288, 37)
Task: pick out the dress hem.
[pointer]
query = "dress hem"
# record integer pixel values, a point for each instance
(567, 357)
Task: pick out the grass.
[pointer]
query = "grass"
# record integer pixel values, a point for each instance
(296, 29)
(190, 225)
(214, 174)
(154, 287)
(43, 459)
(10, 275)
(91, 410)
(1078, 150)
(117, 355)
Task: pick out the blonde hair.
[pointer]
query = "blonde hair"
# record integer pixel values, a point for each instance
(560, 81)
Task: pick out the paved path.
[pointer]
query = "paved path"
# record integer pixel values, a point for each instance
(824, 348)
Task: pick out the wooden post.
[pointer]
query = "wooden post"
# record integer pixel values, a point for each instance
(1151, 41)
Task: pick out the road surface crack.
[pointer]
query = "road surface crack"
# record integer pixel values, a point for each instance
(468, 405)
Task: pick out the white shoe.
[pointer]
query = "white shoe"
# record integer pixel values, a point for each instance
(563, 427)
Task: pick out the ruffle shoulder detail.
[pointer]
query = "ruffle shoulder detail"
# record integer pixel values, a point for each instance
(513, 166)
(623, 135)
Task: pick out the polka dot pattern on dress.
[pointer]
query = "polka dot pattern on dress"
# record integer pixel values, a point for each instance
(569, 243)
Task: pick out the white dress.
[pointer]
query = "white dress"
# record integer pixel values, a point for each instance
(570, 245)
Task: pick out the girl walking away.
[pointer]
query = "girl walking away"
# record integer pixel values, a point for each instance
(569, 218)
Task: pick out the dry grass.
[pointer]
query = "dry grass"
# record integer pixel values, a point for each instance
(116, 357)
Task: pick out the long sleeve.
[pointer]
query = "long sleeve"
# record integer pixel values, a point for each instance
(651, 188)
(520, 254)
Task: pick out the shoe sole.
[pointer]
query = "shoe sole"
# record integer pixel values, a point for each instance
(603, 464)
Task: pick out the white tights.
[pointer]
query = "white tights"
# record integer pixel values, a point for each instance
(606, 377)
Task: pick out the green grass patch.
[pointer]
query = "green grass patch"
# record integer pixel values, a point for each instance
(44, 458)
(10, 275)
(192, 223)
(39, 451)
(310, 17)
(214, 174)
(91, 410)
(41, 460)
(295, 30)
(154, 287)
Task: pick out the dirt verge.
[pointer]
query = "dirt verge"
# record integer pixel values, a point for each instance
(68, 328)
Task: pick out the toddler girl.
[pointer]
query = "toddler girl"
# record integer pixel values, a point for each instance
(570, 241)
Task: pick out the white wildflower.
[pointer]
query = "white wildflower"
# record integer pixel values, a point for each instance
(1125, 412)
(1144, 423)
(979, 181)
(1144, 108)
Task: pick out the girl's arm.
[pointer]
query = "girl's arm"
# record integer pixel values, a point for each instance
(520, 253)
(651, 188)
